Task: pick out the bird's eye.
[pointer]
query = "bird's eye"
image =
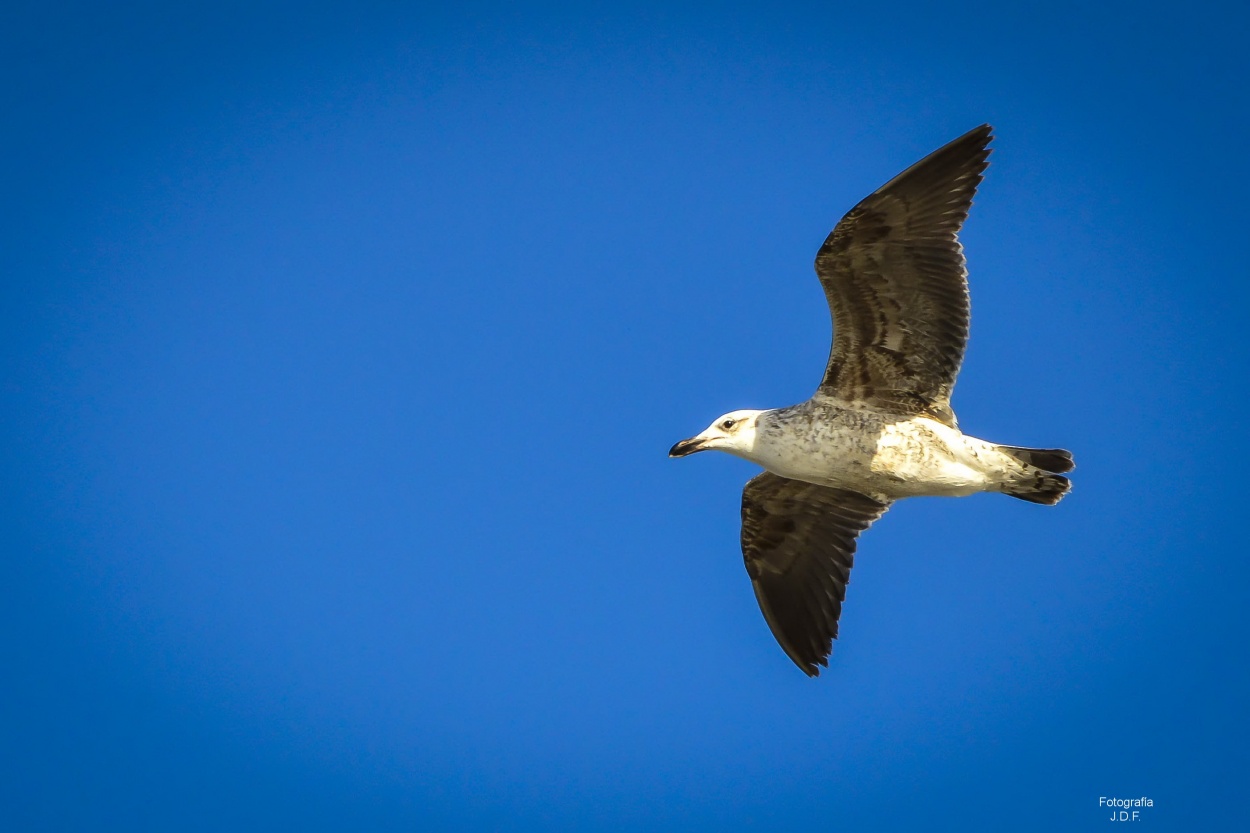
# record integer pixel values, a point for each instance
(727, 424)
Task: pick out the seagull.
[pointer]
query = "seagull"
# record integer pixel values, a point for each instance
(880, 426)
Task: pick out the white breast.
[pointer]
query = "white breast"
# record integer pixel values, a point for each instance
(899, 458)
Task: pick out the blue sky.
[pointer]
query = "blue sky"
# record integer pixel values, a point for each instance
(342, 348)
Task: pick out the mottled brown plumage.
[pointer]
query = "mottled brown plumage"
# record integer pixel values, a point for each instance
(895, 278)
(880, 426)
(798, 541)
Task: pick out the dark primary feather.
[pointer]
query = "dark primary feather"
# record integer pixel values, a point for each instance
(895, 278)
(798, 542)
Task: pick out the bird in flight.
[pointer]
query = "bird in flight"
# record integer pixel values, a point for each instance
(880, 426)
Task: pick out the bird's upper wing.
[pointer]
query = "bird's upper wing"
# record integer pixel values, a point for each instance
(798, 541)
(895, 278)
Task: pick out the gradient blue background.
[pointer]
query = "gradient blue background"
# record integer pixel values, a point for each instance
(342, 349)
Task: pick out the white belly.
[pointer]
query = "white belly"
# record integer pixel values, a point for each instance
(898, 459)
(928, 458)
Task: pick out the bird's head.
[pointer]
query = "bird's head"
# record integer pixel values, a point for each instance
(734, 432)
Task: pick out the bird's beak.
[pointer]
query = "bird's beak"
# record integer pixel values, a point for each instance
(686, 447)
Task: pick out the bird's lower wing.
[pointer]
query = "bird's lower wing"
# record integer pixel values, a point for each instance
(798, 541)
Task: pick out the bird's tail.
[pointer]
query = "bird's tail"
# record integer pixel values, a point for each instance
(1041, 484)
(1047, 459)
